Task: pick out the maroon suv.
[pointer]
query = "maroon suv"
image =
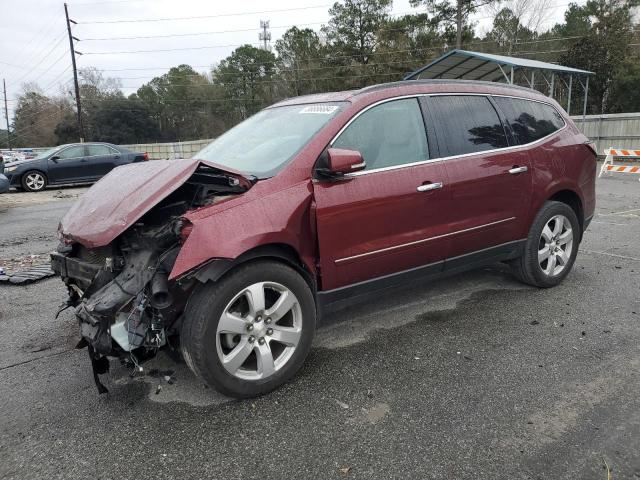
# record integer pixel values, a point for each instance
(315, 203)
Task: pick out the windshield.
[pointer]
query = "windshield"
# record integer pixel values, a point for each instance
(263, 144)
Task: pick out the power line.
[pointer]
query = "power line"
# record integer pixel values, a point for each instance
(55, 83)
(325, 67)
(206, 47)
(328, 57)
(16, 81)
(221, 15)
(39, 45)
(87, 4)
(170, 35)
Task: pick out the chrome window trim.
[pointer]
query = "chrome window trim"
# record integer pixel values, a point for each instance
(439, 159)
(424, 240)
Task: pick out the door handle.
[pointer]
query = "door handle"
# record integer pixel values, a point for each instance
(425, 187)
(516, 170)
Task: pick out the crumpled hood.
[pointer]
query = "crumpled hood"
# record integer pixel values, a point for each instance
(124, 195)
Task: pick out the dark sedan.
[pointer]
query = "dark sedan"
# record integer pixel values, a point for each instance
(66, 164)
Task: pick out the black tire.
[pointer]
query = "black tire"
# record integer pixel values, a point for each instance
(202, 315)
(34, 187)
(527, 268)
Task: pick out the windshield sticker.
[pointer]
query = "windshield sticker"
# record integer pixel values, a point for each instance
(321, 109)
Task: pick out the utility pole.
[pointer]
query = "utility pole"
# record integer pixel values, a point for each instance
(75, 71)
(6, 112)
(265, 35)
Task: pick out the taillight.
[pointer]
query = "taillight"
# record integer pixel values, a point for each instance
(145, 156)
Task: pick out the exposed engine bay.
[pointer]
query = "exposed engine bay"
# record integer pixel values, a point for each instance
(125, 304)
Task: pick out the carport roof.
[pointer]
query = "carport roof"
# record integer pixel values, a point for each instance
(463, 64)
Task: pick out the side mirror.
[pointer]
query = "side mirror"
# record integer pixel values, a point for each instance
(341, 161)
(55, 158)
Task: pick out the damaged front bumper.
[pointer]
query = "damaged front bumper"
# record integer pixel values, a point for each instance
(117, 251)
(123, 301)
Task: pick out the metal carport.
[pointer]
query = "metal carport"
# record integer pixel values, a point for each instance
(466, 65)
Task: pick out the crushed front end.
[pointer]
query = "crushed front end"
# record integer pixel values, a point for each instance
(124, 302)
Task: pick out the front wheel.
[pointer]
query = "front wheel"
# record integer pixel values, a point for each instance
(551, 247)
(34, 181)
(249, 332)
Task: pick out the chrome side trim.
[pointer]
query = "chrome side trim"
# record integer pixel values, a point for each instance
(439, 159)
(424, 240)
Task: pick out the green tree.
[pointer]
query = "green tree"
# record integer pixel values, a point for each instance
(247, 80)
(95, 92)
(625, 94)
(123, 121)
(604, 48)
(36, 117)
(405, 44)
(353, 27)
(507, 31)
(299, 61)
(67, 130)
(453, 15)
(576, 22)
(181, 103)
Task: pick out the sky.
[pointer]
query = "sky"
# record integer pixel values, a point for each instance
(34, 46)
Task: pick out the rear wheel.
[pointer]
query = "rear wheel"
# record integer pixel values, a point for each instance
(34, 181)
(250, 332)
(551, 247)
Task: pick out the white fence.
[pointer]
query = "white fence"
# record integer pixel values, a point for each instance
(617, 130)
(164, 151)
(158, 151)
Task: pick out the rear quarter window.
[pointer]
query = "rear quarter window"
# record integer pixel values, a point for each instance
(529, 120)
(466, 124)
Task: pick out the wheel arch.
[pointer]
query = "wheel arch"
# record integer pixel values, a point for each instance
(572, 199)
(217, 268)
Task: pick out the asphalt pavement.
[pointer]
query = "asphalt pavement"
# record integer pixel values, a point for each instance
(475, 376)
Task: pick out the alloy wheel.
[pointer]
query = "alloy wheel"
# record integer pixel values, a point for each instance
(34, 181)
(555, 245)
(259, 330)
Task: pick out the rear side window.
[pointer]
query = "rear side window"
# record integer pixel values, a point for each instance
(99, 150)
(388, 134)
(466, 124)
(530, 121)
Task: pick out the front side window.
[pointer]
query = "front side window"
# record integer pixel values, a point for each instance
(72, 152)
(529, 121)
(388, 134)
(466, 124)
(263, 144)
